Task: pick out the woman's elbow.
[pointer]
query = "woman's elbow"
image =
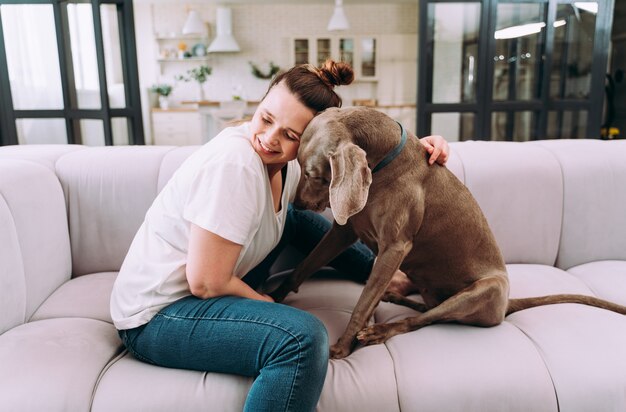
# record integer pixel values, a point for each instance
(204, 290)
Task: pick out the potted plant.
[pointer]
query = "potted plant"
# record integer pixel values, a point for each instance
(163, 90)
(198, 74)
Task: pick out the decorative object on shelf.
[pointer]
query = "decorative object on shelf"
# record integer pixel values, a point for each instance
(163, 90)
(224, 41)
(256, 72)
(182, 49)
(198, 74)
(194, 24)
(198, 50)
(338, 20)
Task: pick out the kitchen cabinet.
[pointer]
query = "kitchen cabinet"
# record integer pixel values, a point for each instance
(361, 52)
(178, 127)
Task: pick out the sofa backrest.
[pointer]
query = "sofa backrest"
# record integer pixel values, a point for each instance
(594, 193)
(34, 242)
(108, 191)
(519, 188)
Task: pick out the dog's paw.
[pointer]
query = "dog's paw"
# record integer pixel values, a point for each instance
(375, 334)
(339, 351)
(391, 297)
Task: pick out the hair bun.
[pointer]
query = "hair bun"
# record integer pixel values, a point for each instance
(336, 73)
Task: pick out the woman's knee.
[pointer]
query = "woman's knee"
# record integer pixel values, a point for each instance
(313, 340)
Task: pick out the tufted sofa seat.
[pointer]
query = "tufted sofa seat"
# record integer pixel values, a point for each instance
(558, 211)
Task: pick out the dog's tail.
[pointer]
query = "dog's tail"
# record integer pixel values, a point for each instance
(516, 305)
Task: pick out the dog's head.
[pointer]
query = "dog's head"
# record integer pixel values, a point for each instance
(335, 172)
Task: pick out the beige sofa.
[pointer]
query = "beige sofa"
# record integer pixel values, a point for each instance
(557, 208)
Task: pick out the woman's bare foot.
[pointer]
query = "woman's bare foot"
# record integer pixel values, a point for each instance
(401, 284)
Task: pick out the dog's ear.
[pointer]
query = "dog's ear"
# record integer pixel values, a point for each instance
(350, 183)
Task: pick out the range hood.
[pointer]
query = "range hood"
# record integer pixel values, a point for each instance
(224, 41)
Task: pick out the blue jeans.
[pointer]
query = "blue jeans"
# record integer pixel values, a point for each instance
(285, 349)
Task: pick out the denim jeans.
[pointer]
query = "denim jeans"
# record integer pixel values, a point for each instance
(285, 349)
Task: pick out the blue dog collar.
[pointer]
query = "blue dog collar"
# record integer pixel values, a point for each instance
(395, 152)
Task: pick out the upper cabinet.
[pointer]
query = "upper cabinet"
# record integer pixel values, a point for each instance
(359, 51)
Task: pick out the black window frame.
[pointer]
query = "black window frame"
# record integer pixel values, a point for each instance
(70, 112)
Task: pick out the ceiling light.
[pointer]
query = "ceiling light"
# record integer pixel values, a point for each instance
(194, 24)
(590, 6)
(338, 20)
(519, 31)
(559, 23)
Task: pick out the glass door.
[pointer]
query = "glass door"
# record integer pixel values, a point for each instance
(512, 70)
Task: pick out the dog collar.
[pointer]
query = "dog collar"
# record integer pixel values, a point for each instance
(395, 152)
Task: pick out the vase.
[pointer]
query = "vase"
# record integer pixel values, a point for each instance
(201, 96)
(164, 102)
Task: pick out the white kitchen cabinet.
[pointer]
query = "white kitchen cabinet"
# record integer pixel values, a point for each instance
(177, 127)
(360, 51)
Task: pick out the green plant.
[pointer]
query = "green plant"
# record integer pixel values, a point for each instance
(256, 72)
(198, 74)
(162, 89)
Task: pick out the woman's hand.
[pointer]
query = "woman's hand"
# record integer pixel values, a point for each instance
(437, 148)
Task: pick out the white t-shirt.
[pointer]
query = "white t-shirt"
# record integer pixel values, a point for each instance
(224, 188)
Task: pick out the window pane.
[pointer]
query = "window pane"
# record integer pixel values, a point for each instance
(567, 125)
(519, 36)
(455, 51)
(84, 59)
(346, 51)
(368, 57)
(119, 127)
(41, 131)
(513, 126)
(32, 56)
(301, 51)
(113, 56)
(453, 126)
(323, 51)
(92, 132)
(573, 51)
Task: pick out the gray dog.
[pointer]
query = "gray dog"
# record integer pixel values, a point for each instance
(419, 218)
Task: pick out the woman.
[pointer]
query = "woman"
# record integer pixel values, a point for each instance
(186, 294)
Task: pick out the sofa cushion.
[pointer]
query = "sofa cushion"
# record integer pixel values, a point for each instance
(594, 181)
(54, 364)
(583, 350)
(465, 368)
(109, 190)
(35, 257)
(45, 154)
(539, 280)
(520, 191)
(131, 385)
(350, 384)
(81, 297)
(606, 278)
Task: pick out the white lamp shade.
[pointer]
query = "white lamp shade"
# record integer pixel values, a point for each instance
(338, 20)
(194, 24)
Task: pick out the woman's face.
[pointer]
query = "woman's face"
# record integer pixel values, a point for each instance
(277, 125)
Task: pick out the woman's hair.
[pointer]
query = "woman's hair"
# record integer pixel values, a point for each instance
(314, 86)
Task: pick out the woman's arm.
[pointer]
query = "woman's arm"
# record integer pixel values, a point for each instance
(210, 263)
(437, 147)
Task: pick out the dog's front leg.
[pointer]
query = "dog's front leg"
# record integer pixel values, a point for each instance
(336, 240)
(386, 264)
